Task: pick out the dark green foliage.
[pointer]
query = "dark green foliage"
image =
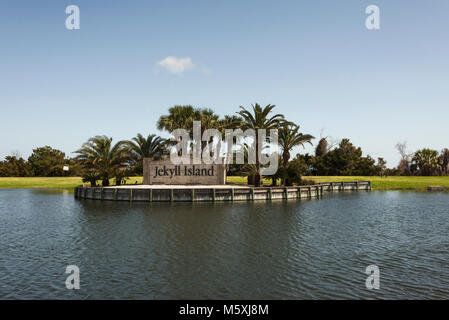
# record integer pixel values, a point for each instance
(345, 160)
(108, 159)
(426, 162)
(47, 162)
(290, 175)
(141, 147)
(15, 167)
(91, 176)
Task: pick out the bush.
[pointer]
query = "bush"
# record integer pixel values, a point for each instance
(289, 176)
(91, 176)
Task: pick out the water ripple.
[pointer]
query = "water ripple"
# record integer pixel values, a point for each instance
(278, 250)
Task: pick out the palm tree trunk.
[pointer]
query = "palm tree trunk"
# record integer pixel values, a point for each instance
(257, 177)
(105, 182)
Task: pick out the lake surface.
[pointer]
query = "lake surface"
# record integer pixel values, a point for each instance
(314, 249)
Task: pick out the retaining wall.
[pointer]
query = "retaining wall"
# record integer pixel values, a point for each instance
(191, 194)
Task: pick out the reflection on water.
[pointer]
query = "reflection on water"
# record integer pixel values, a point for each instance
(53, 191)
(260, 250)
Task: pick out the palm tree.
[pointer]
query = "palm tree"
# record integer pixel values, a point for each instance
(427, 162)
(290, 137)
(178, 117)
(182, 117)
(91, 176)
(230, 122)
(140, 147)
(256, 119)
(209, 120)
(100, 154)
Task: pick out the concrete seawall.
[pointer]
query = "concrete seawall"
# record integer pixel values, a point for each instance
(151, 193)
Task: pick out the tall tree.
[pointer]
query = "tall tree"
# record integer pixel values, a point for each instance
(404, 163)
(209, 120)
(230, 122)
(426, 162)
(178, 117)
(321, 148)
(258, 118)
(182, 117)
(290, 137)
(108, 159)
(15, 167)
(345, 160)
(47, 162)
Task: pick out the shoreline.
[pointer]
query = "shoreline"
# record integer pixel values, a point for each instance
(378, 183)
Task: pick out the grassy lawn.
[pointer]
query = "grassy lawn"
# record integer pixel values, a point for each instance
(40, 182)
(49, 182)
(388, 183)
(392, 183)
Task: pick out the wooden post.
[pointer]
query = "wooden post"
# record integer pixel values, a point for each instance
(171, 194)
(252, 194)
(309, 191)
(357, 185)
(151, 195)
(332, 186)
(193, 195)
(130, 195)
(115, 194)
(213, 194)
(232, 194)
(271, 193)
(286, 193)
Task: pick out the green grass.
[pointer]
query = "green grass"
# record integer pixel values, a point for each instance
(40, 182)
(378, 183)
(392, 183)
(49, 182)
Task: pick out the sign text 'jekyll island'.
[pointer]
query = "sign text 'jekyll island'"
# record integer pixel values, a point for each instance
(162, 172)
(178, 170)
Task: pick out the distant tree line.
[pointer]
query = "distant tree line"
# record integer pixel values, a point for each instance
(99, 159)
(43, 162)
(348, 160)
(424, 162)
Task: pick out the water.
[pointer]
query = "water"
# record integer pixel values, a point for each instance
(315, 249)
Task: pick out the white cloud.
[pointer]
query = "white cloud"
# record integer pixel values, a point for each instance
(176, 65)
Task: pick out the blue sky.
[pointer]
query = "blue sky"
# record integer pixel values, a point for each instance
(314, 60)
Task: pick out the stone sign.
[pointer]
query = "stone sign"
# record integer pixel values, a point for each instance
(165, 172)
